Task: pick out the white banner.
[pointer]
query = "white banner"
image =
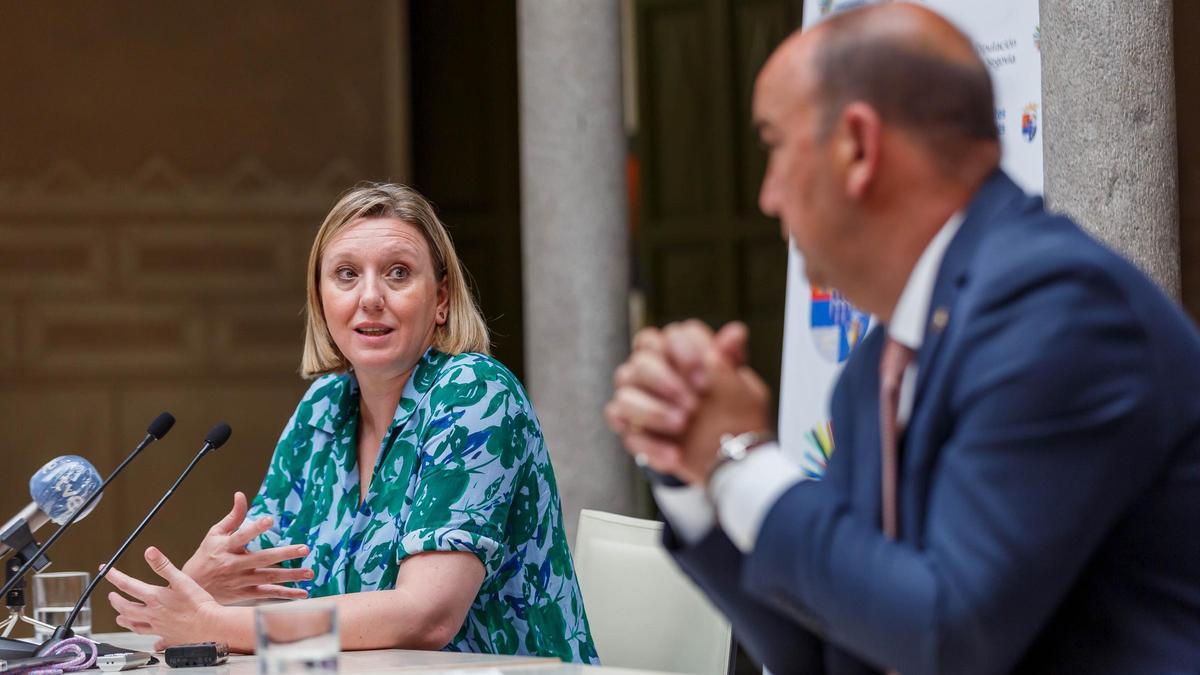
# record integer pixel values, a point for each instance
(820, 328)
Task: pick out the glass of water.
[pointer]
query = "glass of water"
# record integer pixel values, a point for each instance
(297, 637)
(54, 595)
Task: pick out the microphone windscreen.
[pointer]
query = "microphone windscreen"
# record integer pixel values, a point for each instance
(217, 435)
(62, 485)
(161, 425)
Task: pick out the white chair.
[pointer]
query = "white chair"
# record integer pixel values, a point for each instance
(643, 611)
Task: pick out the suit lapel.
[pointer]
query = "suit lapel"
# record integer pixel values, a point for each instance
(995, 196)
(925, 434)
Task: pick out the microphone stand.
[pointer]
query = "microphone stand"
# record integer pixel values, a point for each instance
(215, 438)
(14, 599)
(20, 539)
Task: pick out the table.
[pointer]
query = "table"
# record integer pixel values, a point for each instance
(382, 661)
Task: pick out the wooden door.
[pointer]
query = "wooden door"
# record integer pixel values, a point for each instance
(465, 149)
(704, 248)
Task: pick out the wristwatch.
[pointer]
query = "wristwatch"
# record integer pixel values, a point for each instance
(736, 447)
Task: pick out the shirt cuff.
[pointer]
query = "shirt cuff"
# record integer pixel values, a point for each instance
(745, 491)
(688, 509)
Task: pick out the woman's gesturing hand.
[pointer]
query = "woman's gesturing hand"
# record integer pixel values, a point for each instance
(178, 613)
(230, 573)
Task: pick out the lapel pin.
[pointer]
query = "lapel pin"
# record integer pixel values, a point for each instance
(941, 317)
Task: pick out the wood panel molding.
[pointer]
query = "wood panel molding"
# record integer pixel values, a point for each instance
(263, 337)
(8, 336)
(204, 258)
(54, 259)
(118, 338)
(158, 186)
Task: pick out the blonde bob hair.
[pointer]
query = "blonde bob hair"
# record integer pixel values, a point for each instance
(464, 330)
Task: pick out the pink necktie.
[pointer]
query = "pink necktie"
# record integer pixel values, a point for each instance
(895, 359)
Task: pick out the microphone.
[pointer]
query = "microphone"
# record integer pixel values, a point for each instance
(63, 487)
(157, 429)
(215, 438)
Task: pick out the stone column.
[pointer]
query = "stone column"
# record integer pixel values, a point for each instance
(575, 241)
(1108, 87)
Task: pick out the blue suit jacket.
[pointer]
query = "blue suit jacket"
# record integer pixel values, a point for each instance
(1049, 490)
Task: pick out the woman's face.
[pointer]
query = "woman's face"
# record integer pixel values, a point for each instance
(381, 295)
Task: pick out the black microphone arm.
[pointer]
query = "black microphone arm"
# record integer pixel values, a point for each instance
(214, 439)
(157, 429)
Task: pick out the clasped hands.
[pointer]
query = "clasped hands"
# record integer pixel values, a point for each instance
(220, 572)
(680, 391)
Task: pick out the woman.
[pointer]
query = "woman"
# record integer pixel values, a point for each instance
(454, 539)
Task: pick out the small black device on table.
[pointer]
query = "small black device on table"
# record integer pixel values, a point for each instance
(197, 655)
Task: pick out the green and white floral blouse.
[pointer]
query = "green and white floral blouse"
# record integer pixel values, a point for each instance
(463, 467)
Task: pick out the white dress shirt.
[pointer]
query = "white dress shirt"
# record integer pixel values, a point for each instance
(745, 491)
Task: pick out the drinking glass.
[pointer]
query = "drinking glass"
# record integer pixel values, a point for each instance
(297, 637)
(54, 595)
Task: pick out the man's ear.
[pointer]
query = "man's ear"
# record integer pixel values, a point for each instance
(859, 138)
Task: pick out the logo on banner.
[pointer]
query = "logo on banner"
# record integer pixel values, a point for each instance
(816, 448)
(1029, 122)
(1037, 37)
(836, 325)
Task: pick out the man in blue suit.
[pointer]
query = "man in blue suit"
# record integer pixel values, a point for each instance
(1016, 480)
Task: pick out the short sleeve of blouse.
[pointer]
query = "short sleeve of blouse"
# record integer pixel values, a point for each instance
(474, 447)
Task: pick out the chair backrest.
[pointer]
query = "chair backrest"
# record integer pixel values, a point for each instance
(644, 613)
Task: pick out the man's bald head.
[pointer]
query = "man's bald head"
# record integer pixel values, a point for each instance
(909, 64)
(879, 125)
